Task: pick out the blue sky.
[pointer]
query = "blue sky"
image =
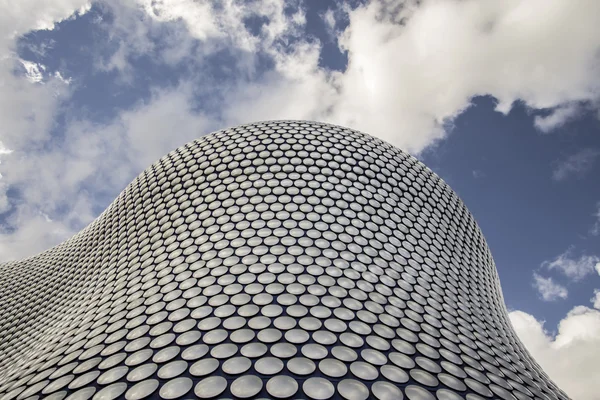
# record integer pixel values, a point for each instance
(505, 170)
(501, 99)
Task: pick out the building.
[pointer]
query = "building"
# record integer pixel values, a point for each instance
(283, 259)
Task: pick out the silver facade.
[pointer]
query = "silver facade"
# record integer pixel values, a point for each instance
(283, 259)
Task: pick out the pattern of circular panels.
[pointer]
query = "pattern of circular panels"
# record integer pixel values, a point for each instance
(277, 259)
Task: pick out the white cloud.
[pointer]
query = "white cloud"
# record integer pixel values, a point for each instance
(27, 108)
(60, 78)
(576, 164)
(572, 267)
(548, 289)
(223, 22)
(27, 111)
(570, 357)
(335, 19)
(198, 16)
(23, 16)
(145, 127)
(413, 67)
(4, 202)
(33, 71)
(595, 230)
(30, 234)
(404, 80)
(297, 89)
(91, 161)
(596, 299)
(329, 19)
(50, 179)
(558, 117)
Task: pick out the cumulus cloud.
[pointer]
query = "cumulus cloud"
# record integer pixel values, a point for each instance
(548, 289)
(29, 102)
(576, 164)
(45, 180)
(570, 357)
(294, 89)
(416, 65)
(413, 66)
(31, 233)
(145, 126)
(574, 268)
(91, 161)
(26, 107)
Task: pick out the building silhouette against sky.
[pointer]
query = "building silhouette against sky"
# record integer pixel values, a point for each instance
(281, 259)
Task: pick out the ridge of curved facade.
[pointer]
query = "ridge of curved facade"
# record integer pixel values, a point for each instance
(280, 259)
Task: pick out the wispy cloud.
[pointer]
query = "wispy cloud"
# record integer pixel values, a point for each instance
(557, 118)
(477, 173)
(576, 164)
(329, 19)
(595, 230)
(574, 268)
(548, 289)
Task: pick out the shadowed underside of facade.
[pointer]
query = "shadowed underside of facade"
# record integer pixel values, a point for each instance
(282, 259)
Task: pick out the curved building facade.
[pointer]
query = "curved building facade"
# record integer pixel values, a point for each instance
(281, 259)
